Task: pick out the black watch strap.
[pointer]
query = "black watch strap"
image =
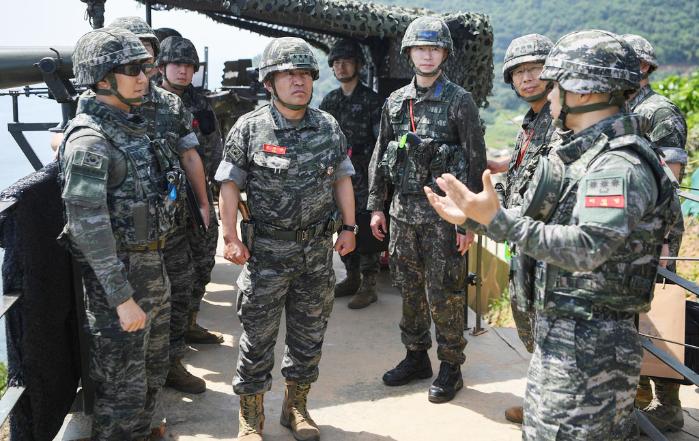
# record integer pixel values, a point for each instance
(352, 228)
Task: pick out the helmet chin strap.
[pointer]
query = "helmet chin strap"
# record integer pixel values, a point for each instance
(173, 85)
(276, 98)
(616, 99)
(347, 80)
(114, 91)
(434, 73)
(538, 96)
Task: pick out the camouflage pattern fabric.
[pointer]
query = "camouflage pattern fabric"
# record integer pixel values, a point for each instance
(287, 53)
(531, 48)
(203, 244)
(113, 196)
(358, 115)
(288, 171)
(138, 27)
(582, 380)
(668, 130)
(596, 265)
(424, 258)
(424, 261)
(178, 50)
(345, 48)
(427, 31)
(643, 49)
(533, 142)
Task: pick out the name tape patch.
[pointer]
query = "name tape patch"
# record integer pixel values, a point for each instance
(276, 149)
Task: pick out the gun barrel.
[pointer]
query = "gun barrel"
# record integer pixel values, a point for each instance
(17, 64)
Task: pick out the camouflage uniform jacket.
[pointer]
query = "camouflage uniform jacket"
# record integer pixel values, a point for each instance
(112, 192)
(287, 171)
(446, 114)
(601, 247)
(359, 115)
(533, 141)
(206, 127)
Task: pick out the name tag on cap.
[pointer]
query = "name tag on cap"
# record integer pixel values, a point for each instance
(276, 149)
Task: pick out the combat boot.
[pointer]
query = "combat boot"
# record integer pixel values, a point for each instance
(447, 383)
(350, 285)
(197, 334)
(181, 380)
(251, 418)
(415, 365)
(366, 294)
(515, 414)
(644, 393)
(665, 412)
(295, 414)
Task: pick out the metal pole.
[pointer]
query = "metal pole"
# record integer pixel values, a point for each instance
(478, 330)
(15, 108)
(148, 13)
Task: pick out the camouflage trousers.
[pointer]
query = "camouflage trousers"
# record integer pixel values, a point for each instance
(582, 380)
(290, 278)
(179, 264)
(365, 263)
(203, 246)
(521, 288)
(429, 272)
(128, 368)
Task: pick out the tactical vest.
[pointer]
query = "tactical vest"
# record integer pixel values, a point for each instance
(624, 282)
(140, 207)
(355, 121)
(410, 168)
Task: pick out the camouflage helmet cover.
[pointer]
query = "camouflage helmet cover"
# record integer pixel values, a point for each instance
(345, 48)
(287, 53)
(644, 50)
(592, 61)
(178, 50)
(532, 48)
(163, 33)
(99, 51)
(138, 27)
(427, 31)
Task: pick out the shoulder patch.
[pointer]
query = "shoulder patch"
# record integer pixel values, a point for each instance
(88, 159)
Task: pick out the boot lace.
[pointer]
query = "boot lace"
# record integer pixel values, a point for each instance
(249, 415)
(299, 409)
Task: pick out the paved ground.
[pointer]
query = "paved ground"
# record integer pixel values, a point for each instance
(349, 401)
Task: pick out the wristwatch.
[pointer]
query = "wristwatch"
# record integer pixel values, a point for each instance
(352, 228)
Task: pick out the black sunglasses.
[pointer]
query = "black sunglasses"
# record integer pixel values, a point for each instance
(133, 70)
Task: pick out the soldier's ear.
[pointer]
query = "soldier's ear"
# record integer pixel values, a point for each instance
(268, 84)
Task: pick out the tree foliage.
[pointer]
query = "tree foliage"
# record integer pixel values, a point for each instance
(684, 92)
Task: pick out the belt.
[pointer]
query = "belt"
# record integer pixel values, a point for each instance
(150, 246)
(299, 236)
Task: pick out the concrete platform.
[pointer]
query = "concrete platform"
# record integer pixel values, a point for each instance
(349, 401)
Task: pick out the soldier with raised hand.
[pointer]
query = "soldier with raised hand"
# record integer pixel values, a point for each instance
(118, 215)
(428, 127)
(291, 160)
(524, 61)
(170, 125)
(667, 128)
(178, 60)
(357, 109)
(595, 223)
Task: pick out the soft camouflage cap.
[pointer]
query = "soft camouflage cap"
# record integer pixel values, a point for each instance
(287, 53)
(163, 33)
(644, 50)
(592, 61)
(140, 28)
(101, 50)
(427, 31)
(345, 48)
(532, 48)
(178, 50)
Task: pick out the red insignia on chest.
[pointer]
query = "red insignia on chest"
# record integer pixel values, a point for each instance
(276, 149)
(195, 123)
(612, 201)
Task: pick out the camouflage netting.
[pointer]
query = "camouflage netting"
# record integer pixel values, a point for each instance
(379, 27)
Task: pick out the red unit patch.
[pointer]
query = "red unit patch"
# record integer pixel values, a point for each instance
(276, 149)
(612, 201)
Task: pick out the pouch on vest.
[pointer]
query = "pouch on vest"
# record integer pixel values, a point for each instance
(207, 121)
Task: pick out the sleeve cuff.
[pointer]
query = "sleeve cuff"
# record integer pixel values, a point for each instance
(674, 155)
(500, 225)
(187, 142)
(345, 169)
(230, 172)
(471, 225)
(121, 295)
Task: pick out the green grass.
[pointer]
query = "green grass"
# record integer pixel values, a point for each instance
(501, 130)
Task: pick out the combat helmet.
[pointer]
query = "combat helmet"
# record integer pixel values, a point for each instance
(287, 53)
(532, 48)
(427, 31)
(163, 33)
(98, 52)
(592, 61)
(644, 50)
(140, 28)
(178, 50)
(345, 48)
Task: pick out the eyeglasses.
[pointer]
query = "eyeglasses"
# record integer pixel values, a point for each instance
(133, 70)
(533, 71)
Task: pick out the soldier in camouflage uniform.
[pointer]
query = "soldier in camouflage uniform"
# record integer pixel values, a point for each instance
(524, 61)
(170, 124)
(429, 127)
(178, 60)
(668, 130)
(358, 110)
(595, 223)
(292, 162)
(118, 214)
